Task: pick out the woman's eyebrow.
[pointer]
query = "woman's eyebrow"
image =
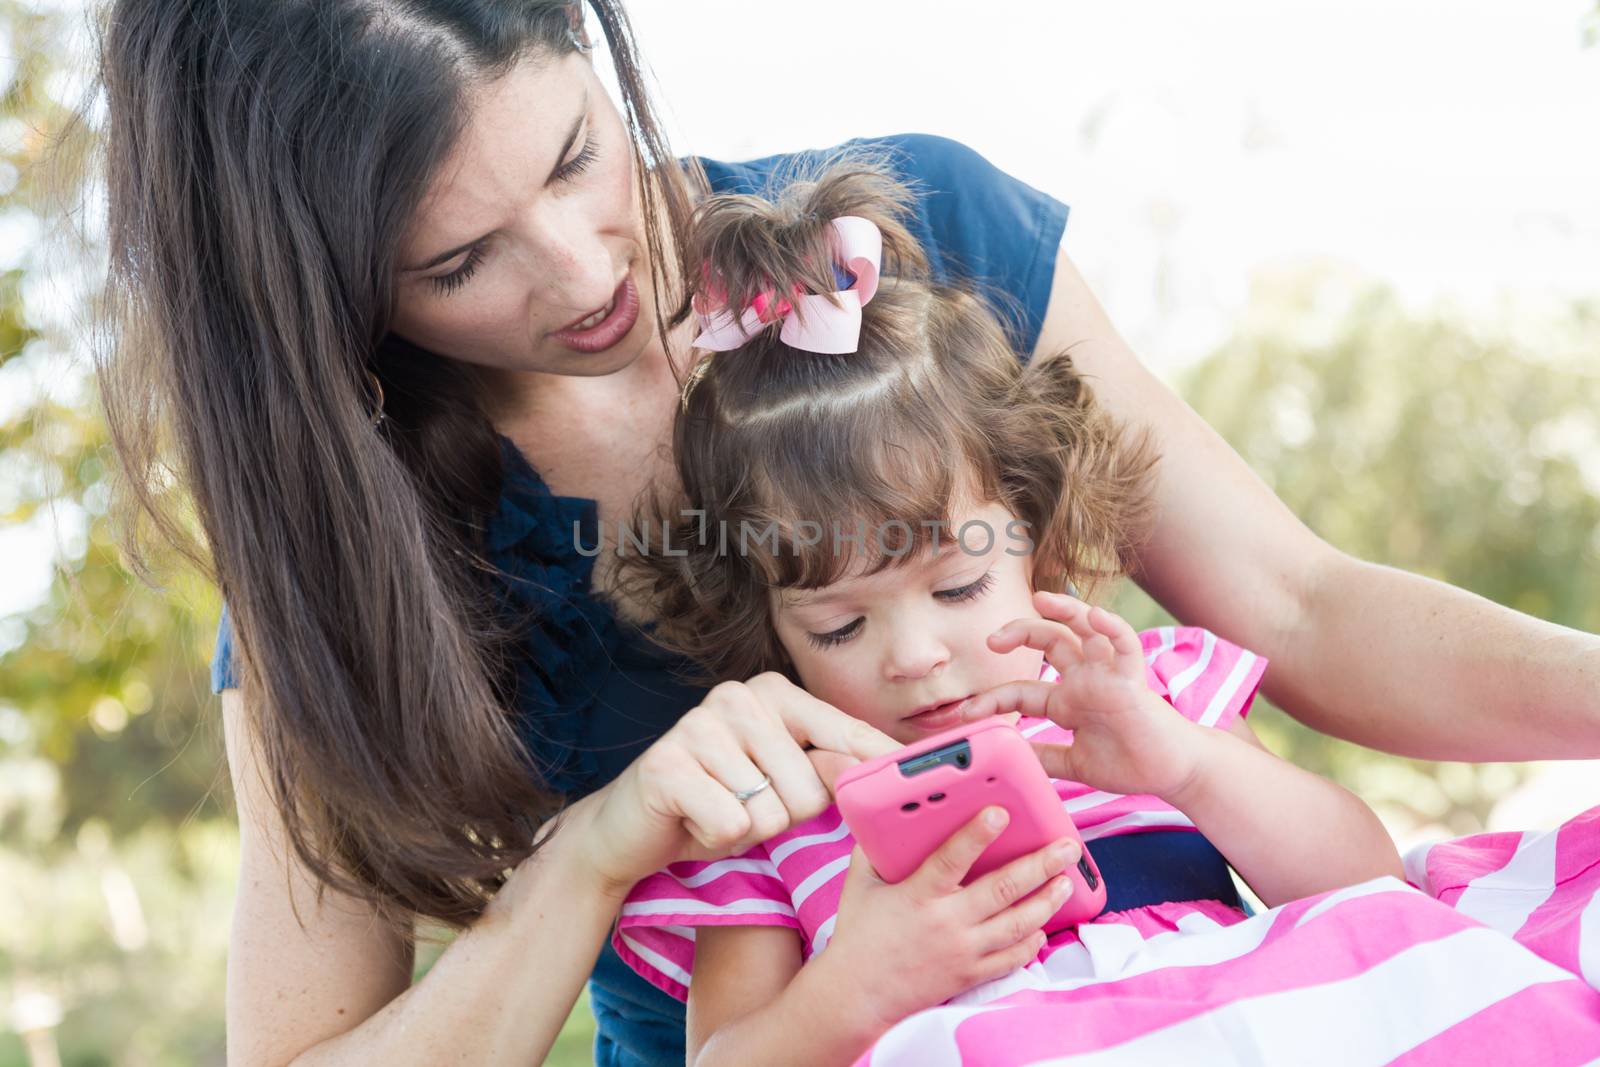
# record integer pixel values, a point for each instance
(566, 146)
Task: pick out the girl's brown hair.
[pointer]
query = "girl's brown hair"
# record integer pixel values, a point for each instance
(264, 158)
(934, 411)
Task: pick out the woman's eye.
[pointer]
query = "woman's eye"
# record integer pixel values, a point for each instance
(834, 637)
(967, 592)
(449, 283)
(580, 162)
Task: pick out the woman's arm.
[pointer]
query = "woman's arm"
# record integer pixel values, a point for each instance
(1364, 652)
(1312, 836)
(324, 982)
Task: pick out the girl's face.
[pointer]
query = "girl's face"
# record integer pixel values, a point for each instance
(899, 649)
(528, 251)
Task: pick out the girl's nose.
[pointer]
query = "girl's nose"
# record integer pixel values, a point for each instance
(915, 654)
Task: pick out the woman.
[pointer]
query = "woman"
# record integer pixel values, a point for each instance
(398, 304)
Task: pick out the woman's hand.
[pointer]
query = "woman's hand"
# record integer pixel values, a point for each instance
(899, 948)
(1125, 738)
(676, 801)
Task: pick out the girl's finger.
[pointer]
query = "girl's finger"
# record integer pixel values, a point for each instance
(1097, 648)
(996, 892)
(1072, 613)
(999, 964)
(942, 873)
(1056, 759)
(860, 873)
(1025, 918)
(1059, 606)
(1114, 626)
(1062, 648)
(1124, 641)
(1030, 698)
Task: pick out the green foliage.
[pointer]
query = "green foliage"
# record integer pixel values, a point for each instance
(118, 873)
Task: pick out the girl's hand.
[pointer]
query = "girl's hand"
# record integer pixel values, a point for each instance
(1125, 738)
(897, 949)
(676, 801)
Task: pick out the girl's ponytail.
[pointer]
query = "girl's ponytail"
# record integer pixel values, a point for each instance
(754, 251)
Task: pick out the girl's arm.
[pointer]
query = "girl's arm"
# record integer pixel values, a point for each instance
(750, 1001)
(1289, 833)
(895, 950)
(1364, 652)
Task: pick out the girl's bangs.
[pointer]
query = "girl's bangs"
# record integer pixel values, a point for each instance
(895, 509)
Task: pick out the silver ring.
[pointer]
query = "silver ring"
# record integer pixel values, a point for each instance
(743, 795)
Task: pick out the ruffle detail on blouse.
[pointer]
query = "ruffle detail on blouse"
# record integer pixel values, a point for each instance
(564, 638)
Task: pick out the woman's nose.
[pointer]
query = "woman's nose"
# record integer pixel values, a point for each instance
(575, 269)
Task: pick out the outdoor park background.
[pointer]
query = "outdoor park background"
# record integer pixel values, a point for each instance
(1362, 238)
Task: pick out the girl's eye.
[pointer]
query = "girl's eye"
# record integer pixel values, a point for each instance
(834, 637)
(580, 162)
(967, 592)
(449, 283)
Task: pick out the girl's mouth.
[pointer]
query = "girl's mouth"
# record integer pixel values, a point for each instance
(940, 716)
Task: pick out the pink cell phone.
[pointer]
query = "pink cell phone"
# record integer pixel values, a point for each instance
(903, 806)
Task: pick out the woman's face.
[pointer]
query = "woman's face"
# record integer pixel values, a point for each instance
(528, 251)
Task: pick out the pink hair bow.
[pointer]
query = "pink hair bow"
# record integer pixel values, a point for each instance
(812, 322)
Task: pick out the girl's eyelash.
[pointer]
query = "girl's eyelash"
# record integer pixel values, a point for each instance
(844, 633)
(839, 636)
(580, 162)
(449, 283)
(968, 592)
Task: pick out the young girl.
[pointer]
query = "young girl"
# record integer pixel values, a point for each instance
(879, 499)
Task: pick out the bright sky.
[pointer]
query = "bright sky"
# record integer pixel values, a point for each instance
(1437, 146)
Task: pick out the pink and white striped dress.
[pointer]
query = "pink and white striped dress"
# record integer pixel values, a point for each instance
(795, 878)
(1490, 952)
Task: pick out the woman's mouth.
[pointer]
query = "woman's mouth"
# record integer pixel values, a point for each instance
(604, 327)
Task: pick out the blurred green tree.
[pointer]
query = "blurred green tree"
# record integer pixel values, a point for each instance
(117, 871)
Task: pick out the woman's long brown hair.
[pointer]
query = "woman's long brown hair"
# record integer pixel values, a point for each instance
(264, 158)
